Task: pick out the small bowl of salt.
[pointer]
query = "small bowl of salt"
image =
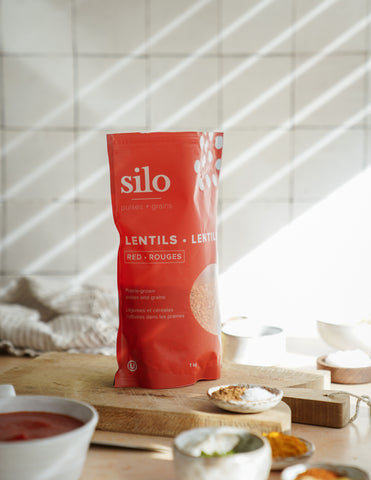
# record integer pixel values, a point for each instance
(245, 398)
(347, 366)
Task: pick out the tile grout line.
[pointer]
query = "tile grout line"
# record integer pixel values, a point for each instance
(2, 142)
(220, 114)
(148, 72)
(76, 113)
(182, 56)
(366, 140)
(264, 128)
(291, 192)
(219, 65)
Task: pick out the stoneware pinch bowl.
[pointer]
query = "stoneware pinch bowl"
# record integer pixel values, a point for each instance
(274, 396)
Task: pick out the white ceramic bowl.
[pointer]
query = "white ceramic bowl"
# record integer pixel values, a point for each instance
(60, 457)
(346, 336)
(353, 473)
(252, 463)
(247, 343)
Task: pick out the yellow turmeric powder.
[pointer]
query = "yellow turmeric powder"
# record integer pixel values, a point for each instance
(284, 446)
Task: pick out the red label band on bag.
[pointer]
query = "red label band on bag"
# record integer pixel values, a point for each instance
(164, 199)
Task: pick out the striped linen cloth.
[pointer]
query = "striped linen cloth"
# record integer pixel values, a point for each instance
(38, 315)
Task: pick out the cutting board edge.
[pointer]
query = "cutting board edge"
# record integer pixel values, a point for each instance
(152, 422)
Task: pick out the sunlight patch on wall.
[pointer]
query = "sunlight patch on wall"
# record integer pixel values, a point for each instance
(313, 269)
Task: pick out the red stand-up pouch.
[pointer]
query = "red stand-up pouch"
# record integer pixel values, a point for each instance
(164, 199)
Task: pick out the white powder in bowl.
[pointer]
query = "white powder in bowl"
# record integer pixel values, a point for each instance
(348, 359)
(254, 394)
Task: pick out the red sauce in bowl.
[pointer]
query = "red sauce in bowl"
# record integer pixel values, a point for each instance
(20, 426)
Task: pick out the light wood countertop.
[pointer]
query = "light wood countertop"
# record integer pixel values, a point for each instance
(348, 445)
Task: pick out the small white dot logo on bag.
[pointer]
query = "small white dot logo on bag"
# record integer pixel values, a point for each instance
(208, 166)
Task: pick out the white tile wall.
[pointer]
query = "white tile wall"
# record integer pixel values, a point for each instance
(38, 91)
(2, 233)
(246, 172)
(193, 26)
(92, 246)
(336, 19)
(36, 27)
(40, 237)
(340, 84)
(114, 27)
(330, 167)
(2, 203)
(92, 167)
(71, 71)
(33, 164)
(115, 101)
(260, 221)
(252, 26)
(173, 91)
(259, 96)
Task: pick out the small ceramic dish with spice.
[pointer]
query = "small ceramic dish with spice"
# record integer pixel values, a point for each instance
(245, 398)
(288, 450)
(324, 471)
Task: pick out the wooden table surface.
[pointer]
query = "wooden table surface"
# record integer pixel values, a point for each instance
(349, 445)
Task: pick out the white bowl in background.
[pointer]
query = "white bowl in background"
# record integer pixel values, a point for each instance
(248, 343)
(60, 457)
(343, 336)
(252, 463)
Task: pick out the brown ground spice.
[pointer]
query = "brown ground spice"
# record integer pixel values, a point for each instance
(231, 392)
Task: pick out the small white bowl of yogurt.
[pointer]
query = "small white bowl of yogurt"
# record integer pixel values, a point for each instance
(217, 453)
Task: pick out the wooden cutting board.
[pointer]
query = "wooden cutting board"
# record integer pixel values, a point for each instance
(164, 412)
